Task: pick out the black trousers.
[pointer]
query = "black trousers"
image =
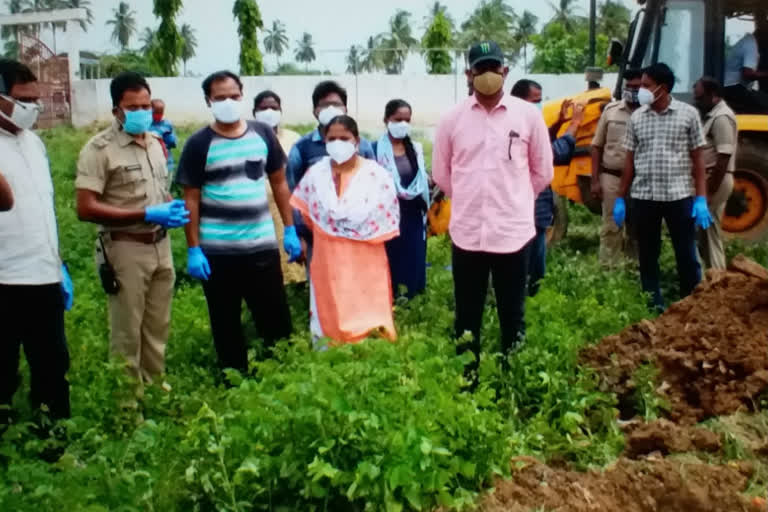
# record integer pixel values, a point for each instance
(470, 280)
(682, 232)
(257, 279)
(32, 317)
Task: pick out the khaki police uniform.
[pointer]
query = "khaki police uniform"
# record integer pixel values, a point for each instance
(609, 137)
(721, 131)
(128, 175)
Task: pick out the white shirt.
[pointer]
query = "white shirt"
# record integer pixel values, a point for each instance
(29, 245)
(744, 54)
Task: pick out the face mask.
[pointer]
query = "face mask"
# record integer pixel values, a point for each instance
(646, 96)
(137, 121)
(539, 105)
(488, 84)
(24, 115)
(270, 117)
(631, 96)
(326, 115)
(399, 130)
(340, 150)
(157, 117)
(227, 111)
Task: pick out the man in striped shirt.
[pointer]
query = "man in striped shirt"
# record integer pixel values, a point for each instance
(231, 236)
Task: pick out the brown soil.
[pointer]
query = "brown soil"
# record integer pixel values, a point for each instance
(664, 437)
(629, 486)
(711, 348)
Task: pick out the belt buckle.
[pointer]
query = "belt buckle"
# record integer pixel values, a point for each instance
(160, 234)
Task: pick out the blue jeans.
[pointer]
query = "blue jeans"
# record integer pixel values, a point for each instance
(537, 265)
(682, 231)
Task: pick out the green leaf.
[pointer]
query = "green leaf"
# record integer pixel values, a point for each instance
(426, 446)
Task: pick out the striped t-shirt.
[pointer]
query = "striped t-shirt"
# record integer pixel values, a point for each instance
(232, 174)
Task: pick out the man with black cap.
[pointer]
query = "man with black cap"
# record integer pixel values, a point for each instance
(35, 287)
(492, 157)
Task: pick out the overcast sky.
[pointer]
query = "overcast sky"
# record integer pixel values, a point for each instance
(335, 25)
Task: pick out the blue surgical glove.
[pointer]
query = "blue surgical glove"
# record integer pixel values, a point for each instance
(197, 264)
(619, 211)
(291, 243)
(67, 288)
(173, 214)
(701, 213)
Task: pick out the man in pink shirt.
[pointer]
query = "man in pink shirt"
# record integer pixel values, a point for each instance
(492, 157)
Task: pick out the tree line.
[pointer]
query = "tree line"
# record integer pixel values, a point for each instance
(560, 45)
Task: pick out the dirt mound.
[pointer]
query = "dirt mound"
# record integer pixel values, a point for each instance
(629, 486)
(711, 349)
(664, 437)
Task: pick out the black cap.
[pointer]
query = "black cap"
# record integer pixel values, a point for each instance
(487, 50)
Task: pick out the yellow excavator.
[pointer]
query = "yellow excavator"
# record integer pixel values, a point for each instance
(689, 36)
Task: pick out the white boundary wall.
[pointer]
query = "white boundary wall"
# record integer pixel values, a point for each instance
(430, 95)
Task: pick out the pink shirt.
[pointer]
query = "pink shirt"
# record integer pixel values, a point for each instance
(492, 165)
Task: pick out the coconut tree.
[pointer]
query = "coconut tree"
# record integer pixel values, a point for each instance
(493, 20)
(276, 40)
(148, 40)
(565, 14)
(526, 27)
(189, 45)
(81, 4)
(370, 58)
(354, 60)
(123, 24)
(398, 42)
(305, 51)
(613, 20)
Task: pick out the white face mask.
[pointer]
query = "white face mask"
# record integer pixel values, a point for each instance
(646, 96)
(326, 115)
(340, 150)
(270, 117)
(227, 111)
(399, 130)
(24, 115)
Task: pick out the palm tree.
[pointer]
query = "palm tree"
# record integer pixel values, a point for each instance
(305, 52)
(354, 60)
(370, 58)
(81, 4)
(398, 42)
(565, 14)
(613, 20)
(492, 20)
(148, 40)
(124, 25)
(276, 41)
(526, 27)
(189, 44)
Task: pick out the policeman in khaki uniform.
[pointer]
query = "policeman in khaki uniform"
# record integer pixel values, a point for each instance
(721, 132)
(608, 157)
(122, 184)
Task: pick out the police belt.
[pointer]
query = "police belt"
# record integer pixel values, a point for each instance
(612, 172)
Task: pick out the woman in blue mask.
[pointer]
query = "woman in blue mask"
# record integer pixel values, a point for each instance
(404, 159)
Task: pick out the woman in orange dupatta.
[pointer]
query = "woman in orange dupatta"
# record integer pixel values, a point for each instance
(351, 206)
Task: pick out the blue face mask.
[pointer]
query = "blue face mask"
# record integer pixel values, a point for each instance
(137, 121)
(540, 105)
